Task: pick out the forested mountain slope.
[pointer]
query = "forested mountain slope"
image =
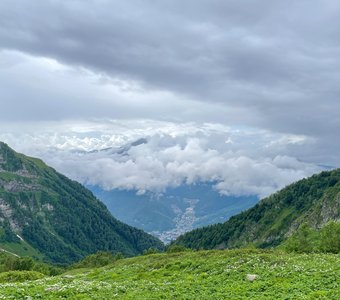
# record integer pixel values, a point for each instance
(46, 215)
(314, 201)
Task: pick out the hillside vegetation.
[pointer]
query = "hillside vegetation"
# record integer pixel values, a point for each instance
(308, 240)
(313, 201)
(227, 274)
(45, 215)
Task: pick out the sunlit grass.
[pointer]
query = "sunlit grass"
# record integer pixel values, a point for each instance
(194, 275)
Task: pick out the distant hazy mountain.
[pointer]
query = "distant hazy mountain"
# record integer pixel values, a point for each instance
(174, 212)
(47, 215)
(122, 150)
(314, 201)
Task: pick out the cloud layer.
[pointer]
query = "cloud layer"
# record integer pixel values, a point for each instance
(276, 64)
(149, 156)
(242, 93)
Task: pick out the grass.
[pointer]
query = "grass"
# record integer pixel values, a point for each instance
(22, 249)
(193, 275)
(8, 176)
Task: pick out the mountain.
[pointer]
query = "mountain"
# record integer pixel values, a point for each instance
(121, 150)
(314, 201)
(175, 211)
(46, 215)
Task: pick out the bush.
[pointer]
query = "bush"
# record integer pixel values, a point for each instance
(20, 264)
(99, 259)
(150, 251)
(330, 238)
(20, 276)
(11, 263)
(306, 239)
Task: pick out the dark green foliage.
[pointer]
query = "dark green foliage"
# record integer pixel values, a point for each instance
(98, 259)
(20, 264)
(307, 240)
(58, 217)
(9, 262)
(151, 251)
(304, 240)
(330, 238)
(314, 201)
(6, 234)
(9, 160)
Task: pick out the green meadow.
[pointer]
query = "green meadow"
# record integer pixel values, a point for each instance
(213, 274)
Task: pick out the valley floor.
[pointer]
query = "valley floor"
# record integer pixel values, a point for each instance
(194, 275)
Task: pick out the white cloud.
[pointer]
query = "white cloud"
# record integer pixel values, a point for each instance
(256, 163)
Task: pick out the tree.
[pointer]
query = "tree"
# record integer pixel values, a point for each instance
(330, 237)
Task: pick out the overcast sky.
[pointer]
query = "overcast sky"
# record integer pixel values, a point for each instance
(253, 85)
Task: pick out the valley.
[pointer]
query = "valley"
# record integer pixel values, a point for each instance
(178, 210)
(57, 240)
(164, 150)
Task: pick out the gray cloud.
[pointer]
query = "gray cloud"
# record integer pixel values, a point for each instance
(267, 65)
(278, 59)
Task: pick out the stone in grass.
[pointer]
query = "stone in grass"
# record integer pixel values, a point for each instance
(52, 288)
(251, 277)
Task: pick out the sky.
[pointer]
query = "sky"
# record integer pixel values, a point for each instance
(244, 94)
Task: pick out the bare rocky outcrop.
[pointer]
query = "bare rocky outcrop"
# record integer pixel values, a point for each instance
(328, 210)
(25, 173)
(48, 207)
(6, 213)
(5, 209)
(19, 186)
(331, 212)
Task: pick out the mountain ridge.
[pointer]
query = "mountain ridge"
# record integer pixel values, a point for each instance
(55, 218)
(315, 200)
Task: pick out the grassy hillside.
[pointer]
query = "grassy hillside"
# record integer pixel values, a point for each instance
(314, 201)
(189, 275)
(46, 215)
